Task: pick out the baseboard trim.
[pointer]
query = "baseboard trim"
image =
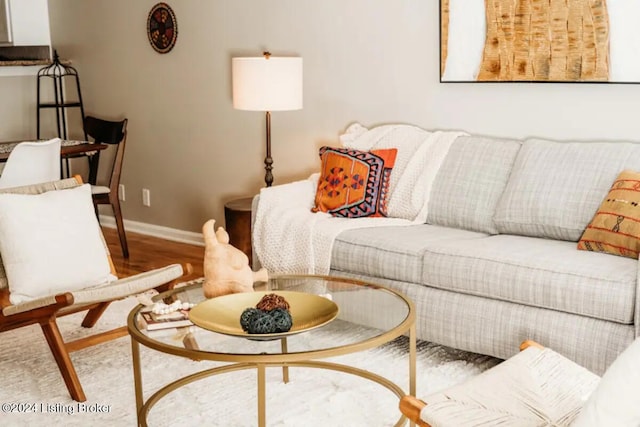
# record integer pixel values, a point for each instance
(168, 233)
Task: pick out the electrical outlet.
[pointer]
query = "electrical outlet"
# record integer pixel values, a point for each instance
(146, 197)
(121, 196)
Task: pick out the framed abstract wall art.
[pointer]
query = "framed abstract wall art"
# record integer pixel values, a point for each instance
(540, 41)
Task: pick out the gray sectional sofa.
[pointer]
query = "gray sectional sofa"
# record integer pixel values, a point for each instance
(497, 261)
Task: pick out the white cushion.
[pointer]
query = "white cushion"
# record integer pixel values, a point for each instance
(616, 400)
(100, 189)
(51, 243)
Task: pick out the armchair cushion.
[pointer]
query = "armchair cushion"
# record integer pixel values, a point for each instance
(51, 243)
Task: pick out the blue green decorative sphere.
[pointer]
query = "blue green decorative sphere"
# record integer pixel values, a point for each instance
(282, 320)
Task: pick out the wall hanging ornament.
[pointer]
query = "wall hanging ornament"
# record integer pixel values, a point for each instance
(162, 28)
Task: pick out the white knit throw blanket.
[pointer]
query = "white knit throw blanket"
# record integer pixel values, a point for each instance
(289, 238)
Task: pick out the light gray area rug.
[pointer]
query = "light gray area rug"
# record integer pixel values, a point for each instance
(313, 397)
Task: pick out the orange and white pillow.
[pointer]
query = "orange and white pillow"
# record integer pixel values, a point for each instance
(354, 183)
(615, 228)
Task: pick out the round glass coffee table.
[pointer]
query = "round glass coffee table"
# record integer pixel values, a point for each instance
(378, 314)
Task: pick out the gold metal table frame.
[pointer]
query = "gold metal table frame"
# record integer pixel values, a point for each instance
(260, 362)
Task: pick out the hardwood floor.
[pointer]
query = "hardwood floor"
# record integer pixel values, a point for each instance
(147, 253)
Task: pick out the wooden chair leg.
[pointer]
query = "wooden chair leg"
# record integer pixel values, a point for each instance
(117, 213)
(411, 406)
(94, 314)
(60, 354)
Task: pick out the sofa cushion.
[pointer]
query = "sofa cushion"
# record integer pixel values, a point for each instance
(542, 273)
(470, 182)
(555, 188)
(390, 252)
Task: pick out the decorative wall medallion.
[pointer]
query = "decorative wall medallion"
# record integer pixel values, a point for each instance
(162, 28)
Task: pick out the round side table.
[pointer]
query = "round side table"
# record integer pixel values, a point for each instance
(237, 217)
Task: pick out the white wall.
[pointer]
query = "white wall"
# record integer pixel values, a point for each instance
(371, 61)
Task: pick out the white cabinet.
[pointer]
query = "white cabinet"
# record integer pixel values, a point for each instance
(5, 25)
(30, 22)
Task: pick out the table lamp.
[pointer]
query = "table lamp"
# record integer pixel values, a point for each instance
(267, 84)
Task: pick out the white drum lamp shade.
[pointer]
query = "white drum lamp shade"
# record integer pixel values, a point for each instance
(267, 83)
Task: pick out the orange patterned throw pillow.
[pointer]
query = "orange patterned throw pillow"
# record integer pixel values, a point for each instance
(353, 183)
(615, 229)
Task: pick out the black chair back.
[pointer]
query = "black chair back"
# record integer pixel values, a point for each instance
(105, 131)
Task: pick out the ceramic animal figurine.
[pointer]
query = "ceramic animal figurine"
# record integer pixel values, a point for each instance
(226, 268)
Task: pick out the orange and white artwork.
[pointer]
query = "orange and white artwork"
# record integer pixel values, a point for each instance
(540, 40)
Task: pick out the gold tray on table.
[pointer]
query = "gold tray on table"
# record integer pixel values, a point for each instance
(222, 314)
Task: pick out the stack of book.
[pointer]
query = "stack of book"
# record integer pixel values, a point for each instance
(176, 319)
